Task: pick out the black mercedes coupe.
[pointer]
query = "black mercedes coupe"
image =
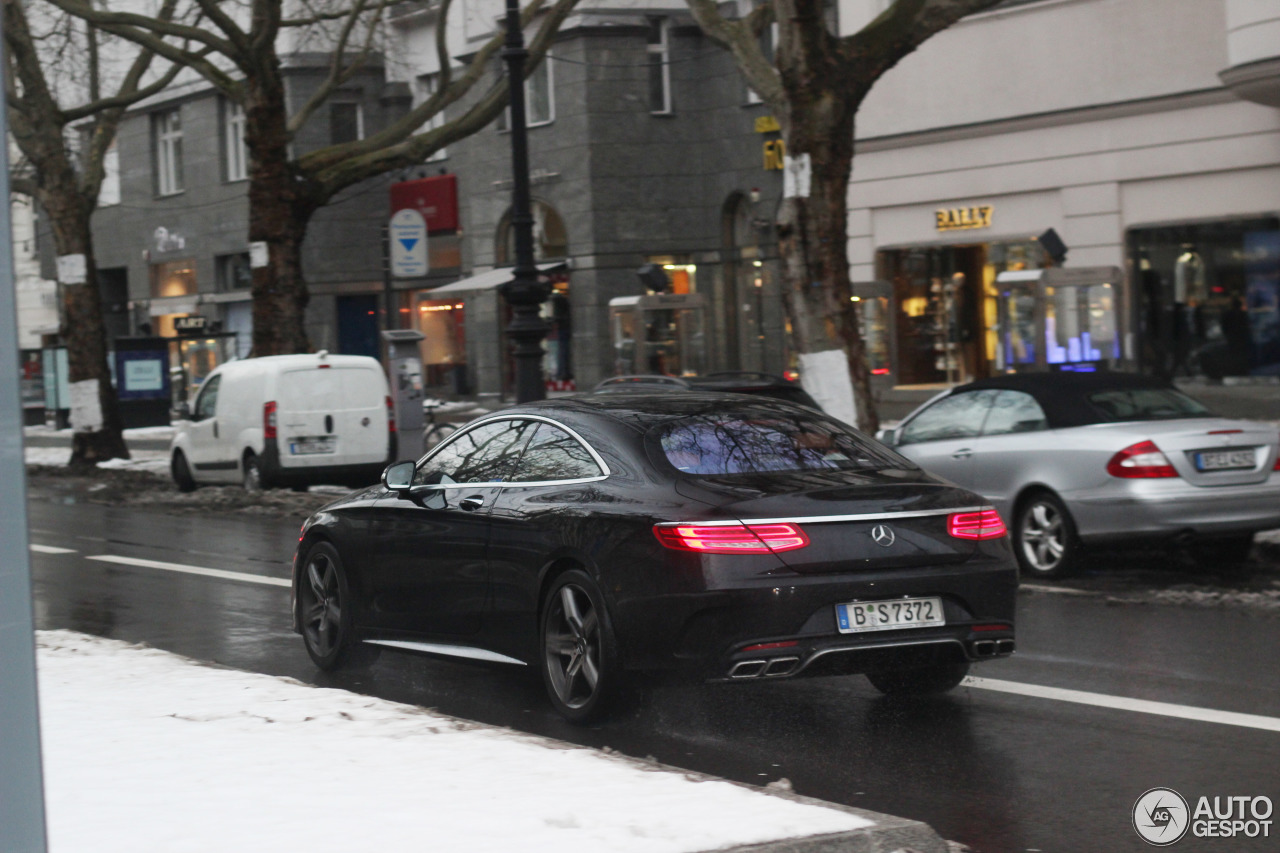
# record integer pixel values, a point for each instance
(728, 537)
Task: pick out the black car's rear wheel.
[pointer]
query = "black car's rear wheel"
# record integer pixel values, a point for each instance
(579, 654)
(938, 678)
(1045, 537)
(324, 601)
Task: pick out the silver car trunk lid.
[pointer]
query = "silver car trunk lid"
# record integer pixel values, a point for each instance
(1207, 451)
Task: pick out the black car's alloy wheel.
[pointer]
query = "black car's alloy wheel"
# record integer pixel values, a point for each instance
(1045, 537)
(579, 655)
(938, 678)
(324, 602)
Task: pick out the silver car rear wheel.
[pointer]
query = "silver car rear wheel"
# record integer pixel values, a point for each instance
(1045, 545)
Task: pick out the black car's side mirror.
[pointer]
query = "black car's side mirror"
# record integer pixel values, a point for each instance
(398, 477)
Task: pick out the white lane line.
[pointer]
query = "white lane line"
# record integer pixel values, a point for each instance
(50, 549)
(190, 570)
(1123, 703)
(1060, 590)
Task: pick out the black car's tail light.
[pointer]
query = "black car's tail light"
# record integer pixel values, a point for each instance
(984, 524)
(269, 419)
(1141, 461)
(732, 538)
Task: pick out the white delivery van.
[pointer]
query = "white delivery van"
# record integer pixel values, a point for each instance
(287, 420)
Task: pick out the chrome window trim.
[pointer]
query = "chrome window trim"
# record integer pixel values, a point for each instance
(821, 519)
(507, 485)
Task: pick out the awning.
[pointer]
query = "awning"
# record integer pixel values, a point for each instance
(494, 278)
(174, 305)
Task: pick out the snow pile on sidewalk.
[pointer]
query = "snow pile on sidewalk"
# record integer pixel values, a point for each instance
(153, 461)
(148, 751)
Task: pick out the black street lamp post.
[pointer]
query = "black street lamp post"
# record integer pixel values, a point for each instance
(524, 293)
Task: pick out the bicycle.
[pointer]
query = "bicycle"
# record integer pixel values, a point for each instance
(432, 432)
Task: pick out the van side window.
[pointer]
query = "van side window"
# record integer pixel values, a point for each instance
(207, 399)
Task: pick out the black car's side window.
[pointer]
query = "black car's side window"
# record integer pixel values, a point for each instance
(1014, 411)
(486, 454)
(207, 402)
(553, 454)
(958, 416)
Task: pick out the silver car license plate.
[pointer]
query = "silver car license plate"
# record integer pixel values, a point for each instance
(1225, 460)
(859, 616)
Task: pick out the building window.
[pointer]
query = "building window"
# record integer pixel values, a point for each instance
(539, 97)
(428, 85)
(233, 271)
(109, 192)
(168, 148)
(659, 49)
(235, 152)
(173, 278)
(346, 122)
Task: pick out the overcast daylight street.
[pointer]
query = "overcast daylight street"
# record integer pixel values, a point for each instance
(766, 426)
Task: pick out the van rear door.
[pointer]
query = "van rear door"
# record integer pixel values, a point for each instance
(332, 415)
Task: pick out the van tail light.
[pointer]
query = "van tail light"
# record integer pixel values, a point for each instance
(1276, 467)
(269, 419)
(984, 524)
(1141, 461)
(391, 415)
(732, 538)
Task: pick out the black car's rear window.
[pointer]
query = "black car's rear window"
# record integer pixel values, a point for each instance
(1145, 404)
(728, 442)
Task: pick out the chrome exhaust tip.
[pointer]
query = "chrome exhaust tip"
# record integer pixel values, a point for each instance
(984, 648)
(747, 668)
(1004, 647)
(782, 666)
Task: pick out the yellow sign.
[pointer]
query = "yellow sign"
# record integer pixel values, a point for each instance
(964, 218)
(767, 124)
(775, 152)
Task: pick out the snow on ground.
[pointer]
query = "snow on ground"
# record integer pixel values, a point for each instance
(155, 461)
(148, 751)
(136, 432)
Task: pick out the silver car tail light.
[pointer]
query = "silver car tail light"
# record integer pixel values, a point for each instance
(1141, 461)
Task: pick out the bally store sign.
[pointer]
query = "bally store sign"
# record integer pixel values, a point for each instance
(963, 218)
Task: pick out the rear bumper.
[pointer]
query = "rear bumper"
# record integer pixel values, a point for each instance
(353, 476)
(705, 633)
(1161, 508)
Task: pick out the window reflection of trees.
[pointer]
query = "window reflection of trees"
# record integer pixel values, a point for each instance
(486, 454)
(741, 443)
(553, 454)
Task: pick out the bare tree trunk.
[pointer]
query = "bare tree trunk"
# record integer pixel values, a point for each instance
(98, 433)
(281, 204)
(813, 232)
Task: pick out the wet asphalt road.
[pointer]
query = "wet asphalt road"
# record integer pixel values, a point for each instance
(998, 772)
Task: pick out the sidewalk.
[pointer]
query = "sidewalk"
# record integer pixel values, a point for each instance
(148, 751)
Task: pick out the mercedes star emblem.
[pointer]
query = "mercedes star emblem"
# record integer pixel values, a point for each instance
(882, 535)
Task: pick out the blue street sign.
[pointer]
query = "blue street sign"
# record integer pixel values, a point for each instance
(408, 244)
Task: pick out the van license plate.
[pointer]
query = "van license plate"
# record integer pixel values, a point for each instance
(308, 446)
(886, 615)
(1224, 460)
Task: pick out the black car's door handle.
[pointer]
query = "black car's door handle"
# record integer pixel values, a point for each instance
(472, 503)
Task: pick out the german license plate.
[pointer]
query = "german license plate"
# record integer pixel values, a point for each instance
(1224, 460)
(861, 616)
(308, 446)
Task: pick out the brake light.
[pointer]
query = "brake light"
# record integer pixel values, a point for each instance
(391, 415)
(732, 538)
(1276, 467)
(984, 524)
(269, 419)
(1141, 461)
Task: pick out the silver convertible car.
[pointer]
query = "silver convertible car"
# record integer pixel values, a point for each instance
(1072, 459)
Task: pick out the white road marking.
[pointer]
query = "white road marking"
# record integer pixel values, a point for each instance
(190, 570)
(1060, 590)
(1123, 703)
(50, 549)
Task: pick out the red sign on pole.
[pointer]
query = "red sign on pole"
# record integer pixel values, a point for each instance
(436, 198)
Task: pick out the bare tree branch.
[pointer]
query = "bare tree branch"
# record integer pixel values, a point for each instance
(340, 71)
(125, 24)
(741, 38)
